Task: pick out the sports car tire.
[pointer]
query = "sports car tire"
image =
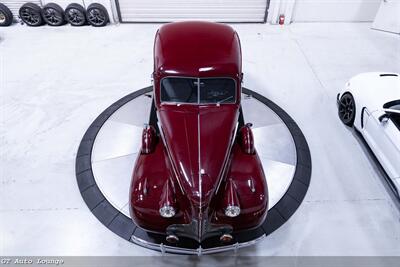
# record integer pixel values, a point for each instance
(31, 14)
(53, 14)
(347, 109)
(6, 16)
(97, 15)
(75, 14)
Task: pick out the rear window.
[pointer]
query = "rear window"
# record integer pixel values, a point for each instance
(198, 91)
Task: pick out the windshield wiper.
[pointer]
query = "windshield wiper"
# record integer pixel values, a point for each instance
(223, 100)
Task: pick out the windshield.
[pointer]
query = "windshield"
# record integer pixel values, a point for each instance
(396, 106)
(198, 91)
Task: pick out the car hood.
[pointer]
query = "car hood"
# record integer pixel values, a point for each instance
(372, 90)
(198, 140)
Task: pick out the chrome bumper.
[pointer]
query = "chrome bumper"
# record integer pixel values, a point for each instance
(199, 251)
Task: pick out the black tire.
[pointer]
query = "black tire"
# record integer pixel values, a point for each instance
(53, 14)
(97, 15)
(75, 14)
(347, 109)
(6, 16)
(31, 14)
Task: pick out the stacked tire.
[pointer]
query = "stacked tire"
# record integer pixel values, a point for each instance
(31, 14)
(75, 14)
(97, 15)
(53, 14)
(6, 16)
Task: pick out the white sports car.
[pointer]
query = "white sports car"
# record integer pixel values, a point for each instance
(371, 103)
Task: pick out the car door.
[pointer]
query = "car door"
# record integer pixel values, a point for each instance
(383, 137)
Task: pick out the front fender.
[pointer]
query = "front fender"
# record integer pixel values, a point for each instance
(247, 175)
(150, 178)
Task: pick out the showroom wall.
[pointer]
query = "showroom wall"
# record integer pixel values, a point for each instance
(339, 10)
(322, 10)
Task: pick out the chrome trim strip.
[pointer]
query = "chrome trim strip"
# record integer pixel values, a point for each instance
(199, 251)
(200, 228)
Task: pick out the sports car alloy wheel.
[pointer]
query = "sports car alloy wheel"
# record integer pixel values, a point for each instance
(31, 14)
(2, 17)
(6, 17)
(347, 109)
(75, 14)
(97, 15)
(53, 14)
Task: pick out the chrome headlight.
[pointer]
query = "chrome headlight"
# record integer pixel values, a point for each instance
(167, 211)
(232, 211)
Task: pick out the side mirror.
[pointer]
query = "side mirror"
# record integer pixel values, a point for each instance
(383, 118)
(388, 112)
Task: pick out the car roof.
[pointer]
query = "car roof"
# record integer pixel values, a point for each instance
(197, 49)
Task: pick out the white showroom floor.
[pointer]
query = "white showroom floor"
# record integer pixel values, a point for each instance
(55, 81)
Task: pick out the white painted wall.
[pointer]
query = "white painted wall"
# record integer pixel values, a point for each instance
(280, 7)
(388, 17)
(334, 10)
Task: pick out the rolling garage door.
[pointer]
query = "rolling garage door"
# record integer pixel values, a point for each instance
(14, 5)
(174, 10)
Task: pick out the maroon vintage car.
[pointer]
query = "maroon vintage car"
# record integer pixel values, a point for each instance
(198, 174)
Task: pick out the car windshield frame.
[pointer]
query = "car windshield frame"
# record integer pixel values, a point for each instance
(198, 102)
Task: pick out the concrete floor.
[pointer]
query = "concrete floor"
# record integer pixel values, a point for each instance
(55, 81)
